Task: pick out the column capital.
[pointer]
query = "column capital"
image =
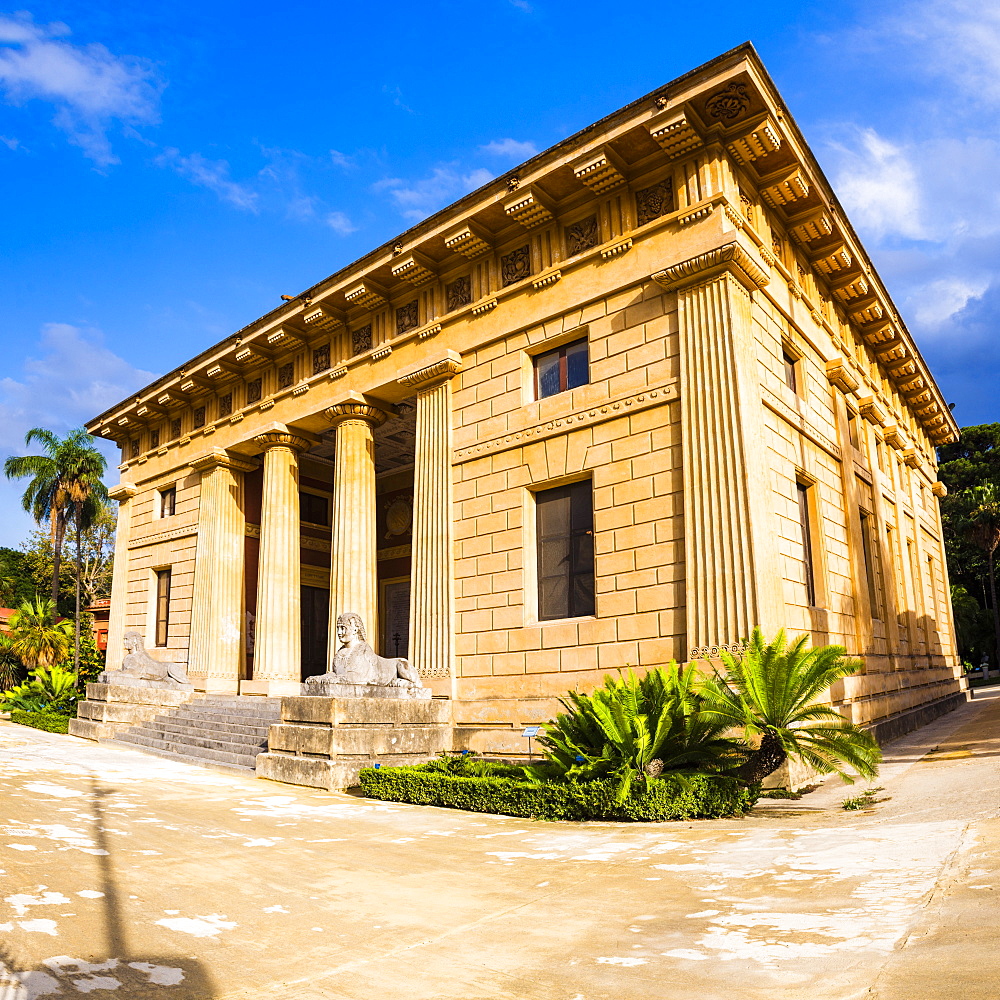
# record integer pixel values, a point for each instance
(123, 491)
(219, 457)
(354, 406)
(279, 439)
(435, 374)
(733, 258)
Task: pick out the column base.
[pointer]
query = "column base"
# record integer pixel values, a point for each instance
(271, 688)
(219, 685)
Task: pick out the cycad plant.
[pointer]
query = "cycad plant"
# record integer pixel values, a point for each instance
(771, 694)
(635, 728)
(52, 690)
(36, 638)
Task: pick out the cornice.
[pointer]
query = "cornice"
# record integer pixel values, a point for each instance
(433, 375)
(732, 258)
(122, 492)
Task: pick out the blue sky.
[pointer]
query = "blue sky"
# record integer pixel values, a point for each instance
(168, 173)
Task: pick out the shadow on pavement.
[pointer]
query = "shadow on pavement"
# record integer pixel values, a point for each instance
(125, 973)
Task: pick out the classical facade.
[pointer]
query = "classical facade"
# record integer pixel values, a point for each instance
(618, 406)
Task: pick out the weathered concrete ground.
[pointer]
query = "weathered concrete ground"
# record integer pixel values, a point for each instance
(129, 876)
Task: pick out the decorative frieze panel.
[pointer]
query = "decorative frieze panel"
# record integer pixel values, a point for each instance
(413, 269)
(320, 317)
(226, 404)
(653, 202)
(469, 241)
(407, 317)
(321, 359)
(582, 236)
(458, 293)
(254, 391)
(527, 208)
(366, 295)
(361, 339)
(785, 190)
(761, 142)
(600, 171)
(515, 266)
(286, 375)
(729, 103)
(674, 133)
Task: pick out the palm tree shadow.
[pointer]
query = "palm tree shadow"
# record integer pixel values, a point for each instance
(136, 976)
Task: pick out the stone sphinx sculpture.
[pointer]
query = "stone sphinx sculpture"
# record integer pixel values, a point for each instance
(141, 670)
(359, 671)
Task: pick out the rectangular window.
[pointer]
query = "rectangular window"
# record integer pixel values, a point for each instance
(869, 559)
(852, 430)
(313, 508)
(807, 544)
(168, 502)
(791, 371)
(162, 605)
(565, 531)
(563, 368)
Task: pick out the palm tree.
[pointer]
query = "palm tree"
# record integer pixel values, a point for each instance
(65, 484)
(36, 636)
(984, 532)
(770, 691)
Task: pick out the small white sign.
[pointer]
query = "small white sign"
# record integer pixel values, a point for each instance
(531, 730)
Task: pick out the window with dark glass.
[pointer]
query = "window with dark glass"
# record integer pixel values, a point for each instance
(168, 502)
(313, 508)
(561, 369)
(791, 371)
(565, 530)
(807, 545)
(868, 554)
(162, 605)
(852, 430)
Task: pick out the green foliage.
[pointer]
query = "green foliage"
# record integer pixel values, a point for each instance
(635, 728)
(10, 666)
(92, 659)
(49, 722)
(468, 765)
(770, 692)
(973, 626)
(16, 583)
(52, 689)
(36, 637)
(672, 797)
(866, 800)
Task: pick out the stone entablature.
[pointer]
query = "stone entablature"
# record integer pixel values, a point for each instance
(714, 143)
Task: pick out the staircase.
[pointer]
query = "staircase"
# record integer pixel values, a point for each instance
(224, 732)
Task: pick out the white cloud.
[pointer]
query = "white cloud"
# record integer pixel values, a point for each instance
(510, 149)
(71, 378)
(88, 85)
(935, 303)
(340, 224)
(878, 186)
(341, 160)
(418, 199)
(213, 175)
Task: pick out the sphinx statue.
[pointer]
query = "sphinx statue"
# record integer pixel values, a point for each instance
(139, 666)
(356, 664)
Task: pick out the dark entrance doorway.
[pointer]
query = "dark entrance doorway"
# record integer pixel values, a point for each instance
(315, 630)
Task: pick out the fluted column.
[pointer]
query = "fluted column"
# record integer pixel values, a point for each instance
(431, 576)
(217, 627)
(729, 550)
(277, 667)
(353, 585)
(123, 493)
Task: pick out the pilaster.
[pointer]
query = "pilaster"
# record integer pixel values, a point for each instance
(732, 574)
(217, 632)
(432, 587)
(353, 585)
(278, 649)
(123, 493)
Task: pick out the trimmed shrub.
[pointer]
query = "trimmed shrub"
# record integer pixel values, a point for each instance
(671, 797)
(49, 722)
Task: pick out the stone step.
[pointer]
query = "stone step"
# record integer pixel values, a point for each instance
(196, 722)
(193, 754)
(206, 742)
(212, 765)
(239, 701)
(230, 711)
(177, 728)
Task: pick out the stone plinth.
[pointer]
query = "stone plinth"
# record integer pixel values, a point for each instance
(324, 742)
(320, 686)
(111, 708)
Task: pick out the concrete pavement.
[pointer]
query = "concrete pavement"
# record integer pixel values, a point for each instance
(125, 875)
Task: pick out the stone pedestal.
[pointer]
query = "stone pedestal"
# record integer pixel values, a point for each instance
(324, 742)
(111, 708)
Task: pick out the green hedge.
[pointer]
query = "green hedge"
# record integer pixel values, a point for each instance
(696, 796)
(50, 722)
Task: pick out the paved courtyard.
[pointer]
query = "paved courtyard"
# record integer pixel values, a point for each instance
(124, 875)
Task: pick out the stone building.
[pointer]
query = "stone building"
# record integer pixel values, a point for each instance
(618, 406)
